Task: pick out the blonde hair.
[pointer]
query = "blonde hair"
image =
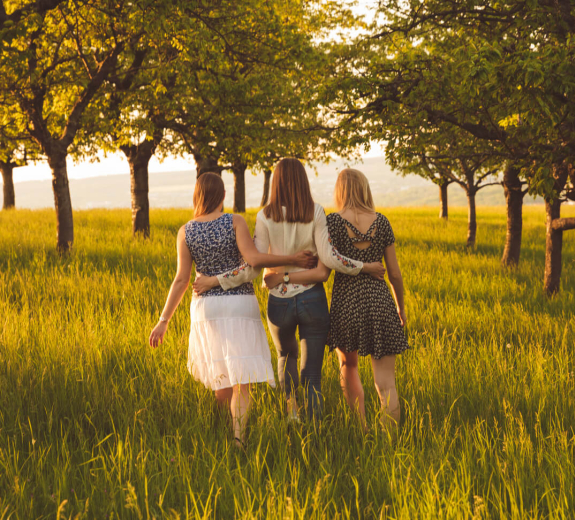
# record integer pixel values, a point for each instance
(352, 191)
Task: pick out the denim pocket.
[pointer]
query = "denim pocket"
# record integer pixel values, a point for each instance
(277, 308)
(316, 311)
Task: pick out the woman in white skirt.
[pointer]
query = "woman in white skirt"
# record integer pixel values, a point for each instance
(228, 347)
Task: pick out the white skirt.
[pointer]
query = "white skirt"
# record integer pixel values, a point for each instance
(228, 343)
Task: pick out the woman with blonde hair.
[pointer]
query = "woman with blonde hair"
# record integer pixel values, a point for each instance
(364, 318)
(292, 222)
(228, 347)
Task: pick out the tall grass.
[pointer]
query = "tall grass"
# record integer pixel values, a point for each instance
(95, 424)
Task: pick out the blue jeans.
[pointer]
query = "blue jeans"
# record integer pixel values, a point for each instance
(309, 312)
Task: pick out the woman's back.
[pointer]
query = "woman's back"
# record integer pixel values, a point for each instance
(213, 247)
(363, 312)
(281, 238)
(365, 247)
(289, 237)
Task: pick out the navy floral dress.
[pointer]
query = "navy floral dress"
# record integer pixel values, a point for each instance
(213, 247)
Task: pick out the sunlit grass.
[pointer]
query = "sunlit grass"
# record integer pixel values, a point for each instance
(94, 422)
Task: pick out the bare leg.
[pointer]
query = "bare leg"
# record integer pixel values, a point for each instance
(240, 406)
(351, 383)
(384, 377)
(224, 397)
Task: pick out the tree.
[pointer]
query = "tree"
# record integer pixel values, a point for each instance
(501, 73)
(126, 116)
(16, 148)
(137, 104)
(443, 200)
(445, 157)
(564, 182)
(55, 57)
(7, 165)
(10, 157)
(266, 190)
(514, 190)
(261, 102)
(12, 154)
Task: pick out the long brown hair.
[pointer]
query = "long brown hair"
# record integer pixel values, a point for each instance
(290, 188)
(209, 193)
(352, 191)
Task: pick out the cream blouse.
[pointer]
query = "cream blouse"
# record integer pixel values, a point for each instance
(288, 238)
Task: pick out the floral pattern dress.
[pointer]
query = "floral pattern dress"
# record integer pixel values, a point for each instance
(363, 315)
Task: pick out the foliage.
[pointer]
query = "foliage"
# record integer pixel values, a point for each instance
(253, 96)
(501, 73)
(444, 155)
(95, 423)
(53, 61)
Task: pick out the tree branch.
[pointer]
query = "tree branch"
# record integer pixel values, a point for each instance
(87, 94)
(488, 184)
(563, 224)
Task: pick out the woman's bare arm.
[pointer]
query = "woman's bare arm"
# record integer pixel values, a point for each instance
(396, 280)
(177, 289)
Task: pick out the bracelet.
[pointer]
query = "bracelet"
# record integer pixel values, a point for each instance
(162, 319)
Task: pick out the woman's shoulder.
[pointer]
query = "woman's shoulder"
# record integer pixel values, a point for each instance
(384, 229)
(186, 229)
(262, 217)
(333, 217)
(318, 211)
(382, 218)
(235, 218)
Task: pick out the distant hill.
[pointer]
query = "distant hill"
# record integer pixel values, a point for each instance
(175, 189)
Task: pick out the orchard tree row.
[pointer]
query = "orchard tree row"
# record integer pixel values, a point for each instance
(234, 84)
(463, 90)
(469, 92)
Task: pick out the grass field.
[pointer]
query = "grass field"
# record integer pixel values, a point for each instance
(95, 424)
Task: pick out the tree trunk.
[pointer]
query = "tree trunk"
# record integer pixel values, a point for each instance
(239, 171)
(471, 218)
(266, 194)
(62, 199)
(553, 248)
(9, 201)
(139, 158)
(514, 194)
(443, 208)
(206, 164)
(554, 233)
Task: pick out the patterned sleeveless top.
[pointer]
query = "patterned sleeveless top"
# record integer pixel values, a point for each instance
(214, 249)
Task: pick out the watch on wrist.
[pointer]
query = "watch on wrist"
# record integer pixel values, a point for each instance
(163, 320)
(286, 277)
